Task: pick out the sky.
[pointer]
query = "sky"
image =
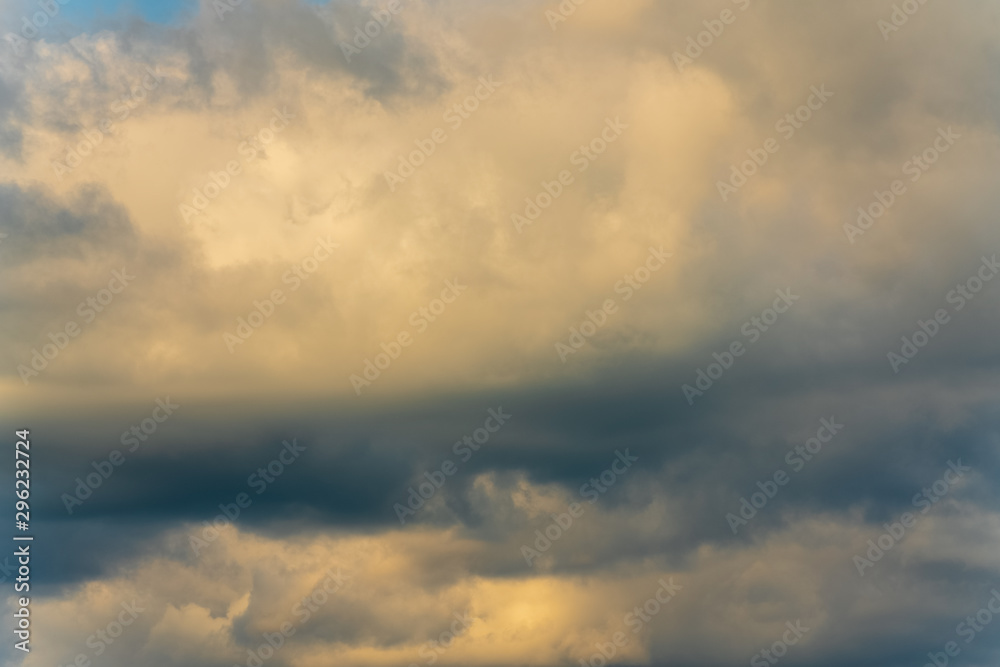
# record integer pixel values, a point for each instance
(497, 334)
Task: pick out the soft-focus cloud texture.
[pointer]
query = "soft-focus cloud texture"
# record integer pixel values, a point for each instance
(320, 180)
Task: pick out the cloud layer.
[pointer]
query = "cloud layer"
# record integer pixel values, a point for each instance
(696, 233)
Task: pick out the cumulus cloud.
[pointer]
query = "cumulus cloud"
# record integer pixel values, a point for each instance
(565, 212)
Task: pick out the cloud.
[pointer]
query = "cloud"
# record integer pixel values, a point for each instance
(297, 222)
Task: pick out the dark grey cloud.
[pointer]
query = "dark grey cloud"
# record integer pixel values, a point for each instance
(704, 458)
